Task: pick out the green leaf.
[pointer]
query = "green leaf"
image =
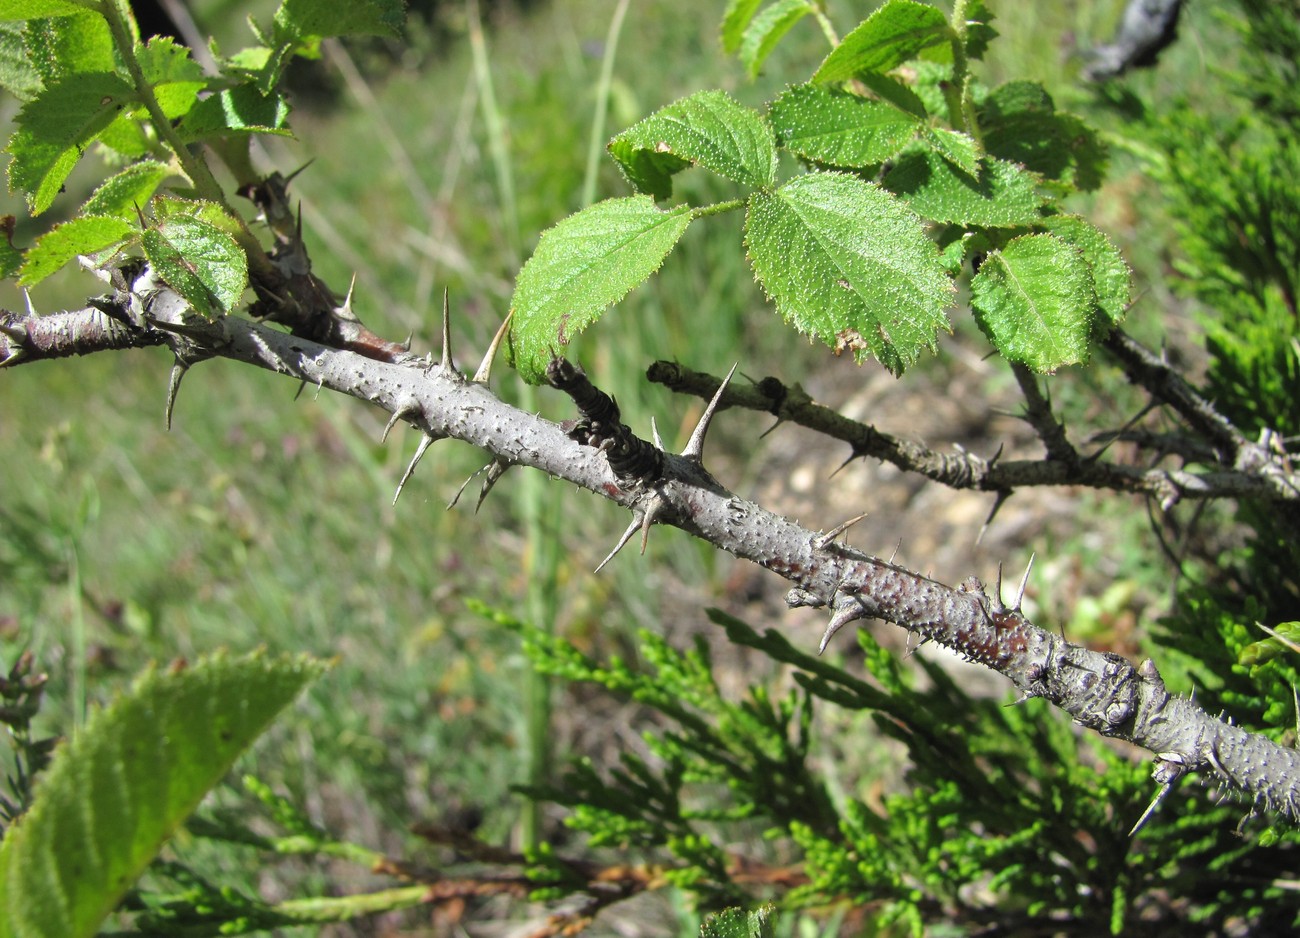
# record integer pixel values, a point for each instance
(112, 797)
(766, 30)
(735, 20)
(894, 92)
(239, 109)
(301, 19)
(740, 923)
(1002, 196)
(56, 126)
(837, 128)
(1034, 300)
(708, 129)
(175, 77)
(584, 264)
(1020, 124)
(1285, 638)
(896, 32)
(85, 234)
(67, 45)
(199, 261)
(170, 206)
(978, 31)
(958, 148)
(12, 10)
(11, 259)
(127, 192)
(1112, 279)
(849, 264)
(18, 75)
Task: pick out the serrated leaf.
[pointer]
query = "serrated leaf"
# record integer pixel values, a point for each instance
(112, 797)
(838, 128)
(301, 19)
(896, 32)
(18, 75)
(1112, 279)
(1020, 124)
(170, 206)
(766, 29)
(85, 234)
(848, 263)
(240, 109)
(56, 126)
(979, 32)
(741, 923)
(12, 10)
(128, 191)
(1002, 196)
(958, 148)
(66, 45)
(1034, 300)
(175, 77)
(708, 129)
(199, 261)
(581, 266)
(735, 20)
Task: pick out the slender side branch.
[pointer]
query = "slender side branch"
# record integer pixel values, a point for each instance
(1100, 690)
(962, 470)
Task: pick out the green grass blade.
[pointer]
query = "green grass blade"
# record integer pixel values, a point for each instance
(122, 787)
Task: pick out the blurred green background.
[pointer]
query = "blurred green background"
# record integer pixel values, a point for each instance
(265, 519)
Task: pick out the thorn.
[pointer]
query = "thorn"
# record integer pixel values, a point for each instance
(822, 540)
(695, 446)
(838, 469)
(484, 373)
(649, 518)
(654, 431)
(302, 386)
(622, 541)
(1151, 808)
(1003, 496)
(895, 551)
(843, 616)
(27, 301)
(1024, 581)
(347, 300)
(410, 337)
(779, 421)
(495, 470)
(992, 461)
(399, 414)
(997, 592)
(425, 442)
(446, 331)
(173, 388)
(464, 485)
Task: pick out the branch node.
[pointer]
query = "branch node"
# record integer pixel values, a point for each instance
(695, 446)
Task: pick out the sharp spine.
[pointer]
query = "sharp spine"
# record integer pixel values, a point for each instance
(695, 446)
(425, 442)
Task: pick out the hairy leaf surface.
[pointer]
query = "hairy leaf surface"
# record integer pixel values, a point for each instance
(1020, 124)
(584, 264)
(838, 128)
(56, 126)
(848, 263)
(741, 923)
(85, 234)
(175, 77)
(128, 191)
(242, 108)
(113, 796)
(958, 148)
(199, 261)
(1034, 299)
(1002, 195)
(1112, 279)
(66, 45)
(896, 32)
(766, 30)
(37, 9)
(708, 129)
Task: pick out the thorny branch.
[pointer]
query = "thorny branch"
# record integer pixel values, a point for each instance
(1102, 691)
(1239, 469)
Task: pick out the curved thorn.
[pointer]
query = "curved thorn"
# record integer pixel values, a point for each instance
(654, 431)
(495, 470)
(399, 414)
(854, 454)
(446, 331)
(648, 519)
(484, 372)
(843, 616)
(173, 388)
(779, 421)
(695, 446)
(821, 541)
(1024, 581)
(464, 485)
(622, 541)
(1003, 495)
(425, 442)
(1151, 808)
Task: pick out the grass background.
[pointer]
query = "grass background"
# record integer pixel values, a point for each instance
(265, 520)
